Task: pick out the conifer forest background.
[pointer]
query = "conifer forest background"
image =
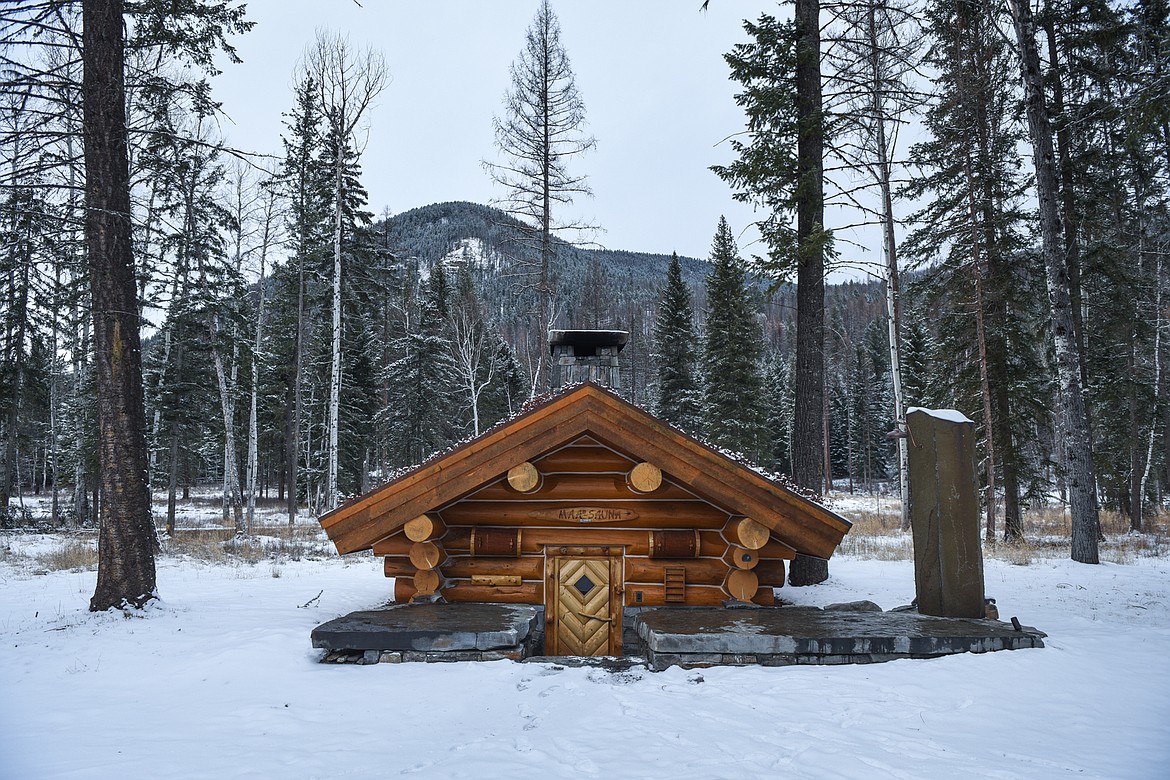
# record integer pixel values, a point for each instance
(265, 282)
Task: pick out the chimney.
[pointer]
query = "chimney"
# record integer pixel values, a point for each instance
(580, 355)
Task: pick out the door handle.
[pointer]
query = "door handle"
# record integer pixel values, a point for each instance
(597, 617)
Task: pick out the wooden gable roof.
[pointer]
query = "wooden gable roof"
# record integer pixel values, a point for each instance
(585, 410)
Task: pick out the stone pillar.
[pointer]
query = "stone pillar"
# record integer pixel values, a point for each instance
(944, 514)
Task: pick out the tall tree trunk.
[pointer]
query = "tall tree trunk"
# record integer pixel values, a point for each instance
(810, 276)
(893, 316)
(335, 362)
(232, 500)
(126, 540)
(985, 397)
(79, 344)
(1070, 219)
(78, 347)
(1013, 529)
(1133, 490)
(1137, 525)
(1074, 419)
(55, 389)
(292, 435)
(253, 428)
(13, 355)
(173, 479)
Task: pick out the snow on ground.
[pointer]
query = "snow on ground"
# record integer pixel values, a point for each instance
(220, 681)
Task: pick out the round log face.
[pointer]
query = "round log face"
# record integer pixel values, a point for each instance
(644, 478)
(748, 533)
(741, 584)
(423, 528)
(524, 478)
(426, 555)
(427, 582)
(742, 558)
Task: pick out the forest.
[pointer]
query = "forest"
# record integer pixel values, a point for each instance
(298, 348)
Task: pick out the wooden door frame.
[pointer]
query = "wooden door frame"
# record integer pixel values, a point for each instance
(552, 557)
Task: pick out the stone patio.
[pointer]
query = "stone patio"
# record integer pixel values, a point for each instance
(432, 632)
(782, 636)
(675, 636)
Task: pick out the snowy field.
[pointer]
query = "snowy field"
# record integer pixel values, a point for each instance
(220, 681)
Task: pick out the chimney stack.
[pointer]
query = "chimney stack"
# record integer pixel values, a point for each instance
(580, 355)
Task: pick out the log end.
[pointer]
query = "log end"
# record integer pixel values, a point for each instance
(644, 478)
(524, 478)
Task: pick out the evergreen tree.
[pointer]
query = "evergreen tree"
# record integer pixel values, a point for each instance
(1074, 418)
(778, 402)
(781, 168)
(348, 83)
(539, 134)
(676, 395)
(916, 351)
(975, 225)
(732, 347)
(869, 393)
(303, 181)
(505, 396)
(126, 572)
(1109, 95)
(422, 382)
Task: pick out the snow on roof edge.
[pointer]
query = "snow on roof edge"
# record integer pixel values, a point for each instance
(950, 415)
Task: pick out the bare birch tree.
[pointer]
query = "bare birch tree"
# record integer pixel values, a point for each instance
(269, 217)
(473, 346)
(348, 82)
(873, 58)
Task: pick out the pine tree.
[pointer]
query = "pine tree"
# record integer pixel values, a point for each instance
(778, 402)
(676, 394)
(1075, 431)
(303, 183)
(781, 168)
(975, 225)
(539, 134)
(421, 382)
(126, 573)
(916, 352)
(732, 347)
(1106, 78)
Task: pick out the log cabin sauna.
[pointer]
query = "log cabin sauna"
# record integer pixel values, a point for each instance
(588, 506)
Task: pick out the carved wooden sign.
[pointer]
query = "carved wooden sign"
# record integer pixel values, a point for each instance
(585, 514)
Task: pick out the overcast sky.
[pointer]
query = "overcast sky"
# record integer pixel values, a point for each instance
(651, 73)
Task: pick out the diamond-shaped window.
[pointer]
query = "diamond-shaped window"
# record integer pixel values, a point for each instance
(584, 585)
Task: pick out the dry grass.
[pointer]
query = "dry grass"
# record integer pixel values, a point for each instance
(267, 543)
(877, 535)
(73, 555)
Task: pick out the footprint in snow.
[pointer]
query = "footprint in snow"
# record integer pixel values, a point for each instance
(530, 721)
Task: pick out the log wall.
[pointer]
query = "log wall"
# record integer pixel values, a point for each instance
(603, 505)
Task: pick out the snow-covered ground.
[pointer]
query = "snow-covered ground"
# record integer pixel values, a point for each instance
(220, 681)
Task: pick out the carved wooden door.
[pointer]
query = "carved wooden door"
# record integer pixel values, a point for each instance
(585, 611)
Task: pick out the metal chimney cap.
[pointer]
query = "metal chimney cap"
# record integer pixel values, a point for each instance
(588, 338)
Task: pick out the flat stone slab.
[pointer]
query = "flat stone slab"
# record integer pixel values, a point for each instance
(804, 634)
(430, 628)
